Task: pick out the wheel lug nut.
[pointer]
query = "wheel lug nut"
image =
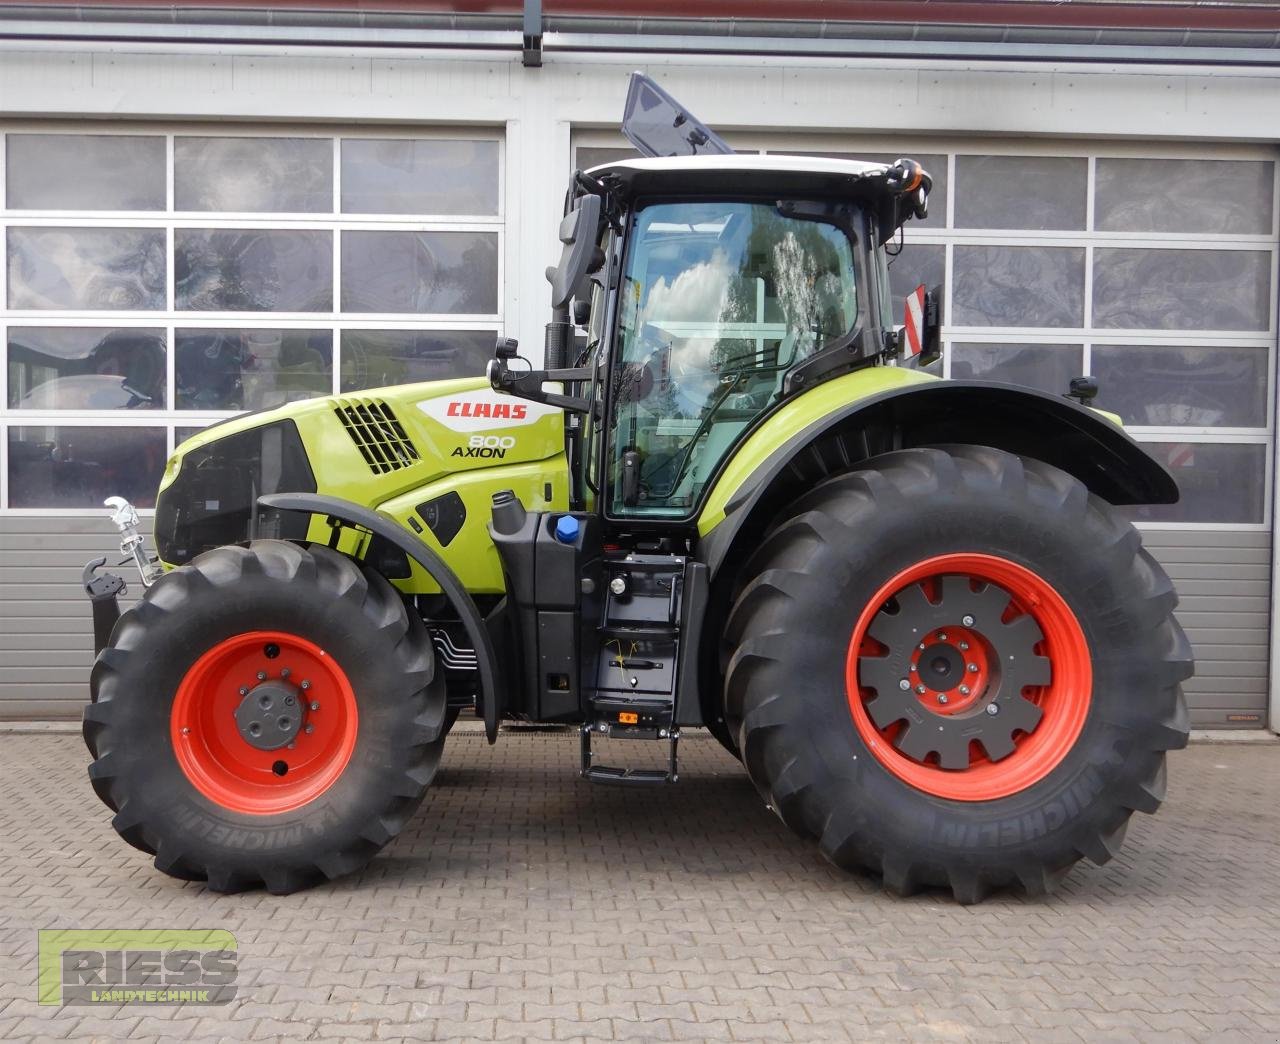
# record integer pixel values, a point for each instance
(921, 645)
(315, 706)
(284, 673)
(310, 729)
(993, 708)
(244, 691)
(942, 697)
(904, 685)
(921, 689)
(973, 668)
(306, 685)
(942, 636)
(967, 620)
(262, 676)
(964, 690)
(964, 646)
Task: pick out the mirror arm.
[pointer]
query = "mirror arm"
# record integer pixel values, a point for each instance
(527, 384)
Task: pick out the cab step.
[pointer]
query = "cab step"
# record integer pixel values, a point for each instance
(641, 777)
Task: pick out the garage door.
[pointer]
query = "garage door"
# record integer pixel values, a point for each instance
(161, 280)
(1153, 269)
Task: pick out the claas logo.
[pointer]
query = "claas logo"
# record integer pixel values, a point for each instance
(496, 410)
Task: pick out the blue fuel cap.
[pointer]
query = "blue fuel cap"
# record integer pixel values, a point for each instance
(567, 529)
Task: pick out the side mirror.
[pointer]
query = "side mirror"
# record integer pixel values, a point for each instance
(579, 230)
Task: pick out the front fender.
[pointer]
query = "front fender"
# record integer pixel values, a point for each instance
(902, 412)
(432, 564)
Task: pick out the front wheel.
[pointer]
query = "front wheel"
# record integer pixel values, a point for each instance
(991, 671)
(266, 715)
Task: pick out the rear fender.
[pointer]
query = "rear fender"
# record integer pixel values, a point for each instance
(1080, 441)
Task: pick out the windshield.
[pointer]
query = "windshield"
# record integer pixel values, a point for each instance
(719, 302)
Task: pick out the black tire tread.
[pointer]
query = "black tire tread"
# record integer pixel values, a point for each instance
(335, 577)
(794, 559)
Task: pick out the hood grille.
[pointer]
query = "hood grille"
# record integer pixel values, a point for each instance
(378, 435)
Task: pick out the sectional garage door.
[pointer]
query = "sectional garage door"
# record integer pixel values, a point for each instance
(160, 279)
(1153, 269)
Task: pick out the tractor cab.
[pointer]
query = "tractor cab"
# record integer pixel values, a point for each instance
(701, 290)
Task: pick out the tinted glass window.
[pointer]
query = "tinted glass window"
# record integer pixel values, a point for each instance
(1018, 286)
(374, 358)
(1187, 385)
(452, 272)
(1214, 196)
(86, 368)
(419, 176)
(74, 467)
(1031, 192)
(101, 269)
(1218, 482)
(253, 174)
(251, 369)
(85, 172)
(1048, 367)
(253, 270)
(1182, 289)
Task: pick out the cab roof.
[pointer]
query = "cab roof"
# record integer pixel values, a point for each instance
(740, 172)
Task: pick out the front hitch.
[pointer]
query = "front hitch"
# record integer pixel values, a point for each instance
(104, 590)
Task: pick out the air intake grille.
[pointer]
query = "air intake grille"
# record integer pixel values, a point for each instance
(377, 433)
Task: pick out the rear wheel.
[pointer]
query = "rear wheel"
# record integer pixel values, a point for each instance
(991, 671)
(265, 715)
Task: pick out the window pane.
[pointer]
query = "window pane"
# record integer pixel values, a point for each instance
(85, 172)
(1215, 196)
(65, 467)
(1182, 289)
(86, 268)
(1021, 192)
(934, 163)
(77, 368)
(292, 175)
(180, 435)
(253, 270)
(454, 272)
(1018, 286)
(1048, 367)
(375, 358)
(407, 176)
(918, 263)
(251, 369)
(586, 157)
(1154, 384)
(1219, 482)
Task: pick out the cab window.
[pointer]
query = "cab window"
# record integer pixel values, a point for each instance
(719, 302)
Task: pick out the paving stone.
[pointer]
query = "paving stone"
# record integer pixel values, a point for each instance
(523, 903)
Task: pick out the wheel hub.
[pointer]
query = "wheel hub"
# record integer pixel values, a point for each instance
(264, 722)
(271, 715)
(961, 653)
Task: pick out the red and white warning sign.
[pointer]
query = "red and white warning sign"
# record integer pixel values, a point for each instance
(1182, 455)
(914, 320)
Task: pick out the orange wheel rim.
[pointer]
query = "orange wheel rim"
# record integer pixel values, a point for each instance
(264, 722)
(968, 677)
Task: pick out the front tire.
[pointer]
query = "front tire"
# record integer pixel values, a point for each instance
(265, 715)
(913, 597)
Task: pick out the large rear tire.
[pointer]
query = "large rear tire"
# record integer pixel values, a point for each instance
(265, 715)
(955, 667)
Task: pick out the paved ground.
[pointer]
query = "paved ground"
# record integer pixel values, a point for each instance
(525, 903)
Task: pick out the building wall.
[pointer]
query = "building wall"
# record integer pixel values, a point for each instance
(1223, 568)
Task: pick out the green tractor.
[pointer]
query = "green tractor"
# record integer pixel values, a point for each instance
(735, 499)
